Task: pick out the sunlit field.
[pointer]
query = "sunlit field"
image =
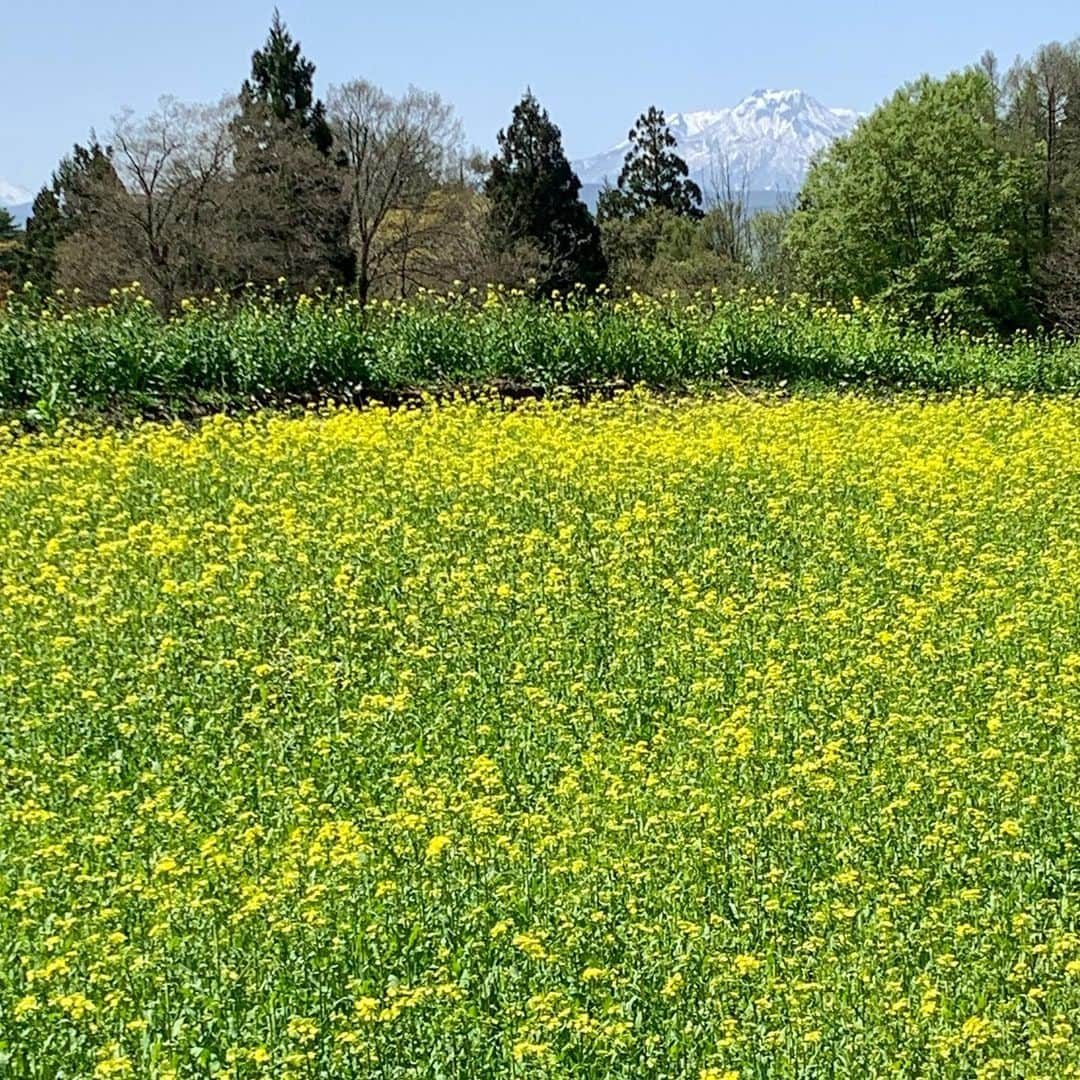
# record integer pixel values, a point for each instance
(711, 740)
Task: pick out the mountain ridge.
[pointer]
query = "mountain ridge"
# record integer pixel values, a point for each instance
(15, 200)
(765, 142)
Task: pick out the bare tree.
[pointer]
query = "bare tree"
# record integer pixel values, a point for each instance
(1059, 278)
(1041, 97)
(155, 211)
(772, 263)
(729, 214)
(174, 166)
(395, 154)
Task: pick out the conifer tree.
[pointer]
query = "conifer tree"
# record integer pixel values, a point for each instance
(282, 81)
(292, 220)
(63, 206)
(653, 175)
(9, 249)
(44, 230)
(534, 198)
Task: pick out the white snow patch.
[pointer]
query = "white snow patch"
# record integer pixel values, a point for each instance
(768, 139)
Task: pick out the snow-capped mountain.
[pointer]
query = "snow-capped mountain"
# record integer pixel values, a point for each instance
(15, 199)
(11, 194)
(766, 142)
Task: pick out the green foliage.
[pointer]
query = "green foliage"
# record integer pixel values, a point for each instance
(68, 203)
(534, 198)
(630, 244)
(282, 80)
(660, 249)
(653, 176)
(10, 251)
(925, 207)
(218, 351)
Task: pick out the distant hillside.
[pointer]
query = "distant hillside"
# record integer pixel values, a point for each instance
(755, 200)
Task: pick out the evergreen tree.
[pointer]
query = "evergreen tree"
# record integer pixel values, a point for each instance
(294, 221)
(653, 175)
(82, 179)
(282, 81)
(9, 250)
(44, 230)
(63, 206)
(534, 200)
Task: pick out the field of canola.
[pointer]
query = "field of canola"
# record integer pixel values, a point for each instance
(709, 740)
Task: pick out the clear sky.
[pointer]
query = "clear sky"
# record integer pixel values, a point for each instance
(67, 66)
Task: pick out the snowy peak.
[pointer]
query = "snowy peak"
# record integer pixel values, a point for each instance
(16, 200)
(766, 141)
(785, 113)
(777, 108)
(694, 123)
(12, 194)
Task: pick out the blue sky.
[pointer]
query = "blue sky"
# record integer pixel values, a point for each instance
(67, 66)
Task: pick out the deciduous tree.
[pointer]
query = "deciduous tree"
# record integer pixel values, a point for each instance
(925, 206)
(1042, 108)
(156, 214)
(394, 154)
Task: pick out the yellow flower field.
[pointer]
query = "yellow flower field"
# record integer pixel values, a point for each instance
(717, 739)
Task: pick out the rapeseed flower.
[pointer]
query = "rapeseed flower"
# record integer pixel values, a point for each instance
(632, 738)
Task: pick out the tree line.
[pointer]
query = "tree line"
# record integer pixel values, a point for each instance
(365, 191)
(956, 201)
